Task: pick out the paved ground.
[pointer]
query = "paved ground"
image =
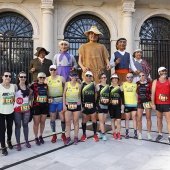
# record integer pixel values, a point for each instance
(125, 154)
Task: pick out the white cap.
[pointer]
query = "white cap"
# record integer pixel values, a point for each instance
(137, 50)
(161, 68)
(63, 42)
(53, 66)
(89, 73)
(114, 76)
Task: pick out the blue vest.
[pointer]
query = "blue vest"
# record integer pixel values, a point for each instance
(124, 60)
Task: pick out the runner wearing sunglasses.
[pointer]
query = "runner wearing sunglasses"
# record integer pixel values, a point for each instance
(144, 102)
(88, 104)
(129, 89)
(40, 106)
(7, 92)
(55, 97)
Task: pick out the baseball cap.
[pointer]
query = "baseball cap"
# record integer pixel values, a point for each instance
(53, 66)
(161, 68)
(88, 73)
(114, 76)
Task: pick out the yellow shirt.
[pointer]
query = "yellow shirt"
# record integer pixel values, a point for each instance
(7, 99)
(129, 90)
(55, 88)
(72, 93)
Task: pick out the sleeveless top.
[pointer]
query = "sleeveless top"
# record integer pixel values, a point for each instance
(21, 104)
(7, 99)
(115, 95)
(55, 88)
(162, 93)
(103, 95)
(129, 90)
(88, 92)
(124, 60)
(144, 91)
(72, 93)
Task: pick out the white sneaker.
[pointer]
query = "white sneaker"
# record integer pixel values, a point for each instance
(140, 136)
(149, 136)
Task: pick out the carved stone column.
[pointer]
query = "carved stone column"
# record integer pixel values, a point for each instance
(48, 26)
(127, 12)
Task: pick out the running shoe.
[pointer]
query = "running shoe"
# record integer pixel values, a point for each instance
(127, 136)
(27, 144)
(63, 137)
(41, 140)
(149, 136)
(68, 141)
(83, 138)
(99, 134)
(9, 145)
(104, 137)
(114, 135)
(4, 151)
(76, 140)
(119, 136)
(169, 140)
(159, 138)
(95, 137)
(135, 135)
(53, 140)
(18, 148)
(140, 136)
(37, 142)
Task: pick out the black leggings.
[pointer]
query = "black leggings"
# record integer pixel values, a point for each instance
(9, 118)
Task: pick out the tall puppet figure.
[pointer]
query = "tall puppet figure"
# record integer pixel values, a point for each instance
(92, 55)
(65, 62)
(122, 60)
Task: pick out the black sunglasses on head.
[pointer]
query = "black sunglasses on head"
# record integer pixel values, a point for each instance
(73, 75)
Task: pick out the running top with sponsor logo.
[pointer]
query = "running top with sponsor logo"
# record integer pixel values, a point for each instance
(162, 93)
(116, 96)
(21, 104)
(88, 92)
(144, 91)
(7, 99)
(40, 94)
(72, 93)
(129, 90)
(103, 94)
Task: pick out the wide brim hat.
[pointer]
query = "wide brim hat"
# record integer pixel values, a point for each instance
(39, 49)
(93, 29)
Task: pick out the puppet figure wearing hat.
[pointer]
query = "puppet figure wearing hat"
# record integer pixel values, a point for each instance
(93, 56)
(64, 61)
(40, 64)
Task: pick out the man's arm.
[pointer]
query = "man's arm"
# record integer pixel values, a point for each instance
(74, 62)
(132, 66)
(81, 64)
(153, 94)
(31, 69)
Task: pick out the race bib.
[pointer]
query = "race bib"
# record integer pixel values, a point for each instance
(7, 100)
(104, 100)
(163, 97)
(114, 101)
(25, 107)
(147, 105)
(72, 106)
(41, 99)
(88, 105)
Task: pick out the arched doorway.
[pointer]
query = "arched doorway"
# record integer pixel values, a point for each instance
(74, 32)
(16, 44)
(155, 43)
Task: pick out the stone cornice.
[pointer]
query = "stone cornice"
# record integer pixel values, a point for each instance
(47, 4)
(11, 1)
(128, 6)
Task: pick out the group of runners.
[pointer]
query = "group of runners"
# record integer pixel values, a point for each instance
(73, 97)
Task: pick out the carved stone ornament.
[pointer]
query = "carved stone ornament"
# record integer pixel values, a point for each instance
(128, 6)
(96, 3)
(47, 4)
